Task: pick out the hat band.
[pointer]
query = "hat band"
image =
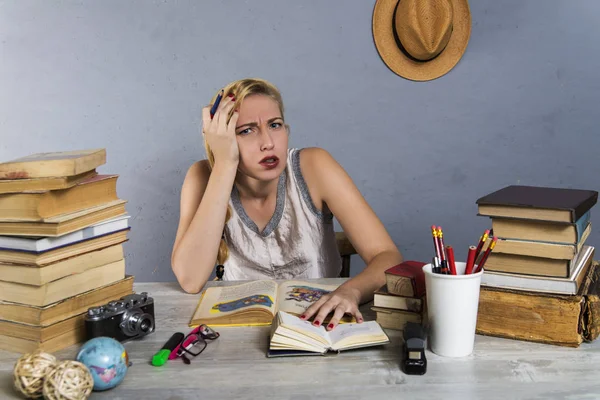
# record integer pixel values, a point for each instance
(402, 49)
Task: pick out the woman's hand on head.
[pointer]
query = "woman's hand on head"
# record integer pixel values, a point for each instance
(344, 300)
(220, 134)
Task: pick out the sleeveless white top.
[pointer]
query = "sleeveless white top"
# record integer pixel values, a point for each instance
(298, 241)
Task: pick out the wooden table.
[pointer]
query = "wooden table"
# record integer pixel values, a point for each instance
(235, 366)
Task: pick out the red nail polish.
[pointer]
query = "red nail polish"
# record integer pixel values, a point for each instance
(330, 326)
(317, 323)
(230, 95)
(302, 316)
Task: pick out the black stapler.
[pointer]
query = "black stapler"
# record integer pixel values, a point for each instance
(414, 360)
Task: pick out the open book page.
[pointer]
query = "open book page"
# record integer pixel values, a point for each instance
(356, 335)
(293, 323)
(226, 300)
(296, 296)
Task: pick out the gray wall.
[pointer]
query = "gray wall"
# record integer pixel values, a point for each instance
(132, 76)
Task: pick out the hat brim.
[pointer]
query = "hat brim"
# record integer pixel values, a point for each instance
(399, 63)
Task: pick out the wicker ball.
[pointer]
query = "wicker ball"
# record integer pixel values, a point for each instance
(30, 371)
(70, 380)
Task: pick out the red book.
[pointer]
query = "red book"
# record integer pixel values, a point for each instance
(406, 279)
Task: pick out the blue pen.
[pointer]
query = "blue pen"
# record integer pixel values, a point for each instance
(213, 110)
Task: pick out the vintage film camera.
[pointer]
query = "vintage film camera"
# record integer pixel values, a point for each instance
(130, 317)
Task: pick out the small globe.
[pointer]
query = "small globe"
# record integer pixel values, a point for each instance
(107, 360)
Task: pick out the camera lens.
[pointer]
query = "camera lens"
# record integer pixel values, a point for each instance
(137, 323)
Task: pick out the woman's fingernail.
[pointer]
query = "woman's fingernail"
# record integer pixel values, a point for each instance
(360, 320)
(330, 326)
(230, 95)
(302, 316)
(317, 323)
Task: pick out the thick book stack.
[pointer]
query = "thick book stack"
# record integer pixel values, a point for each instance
(62, 229)
(402, 299)
(537, 281)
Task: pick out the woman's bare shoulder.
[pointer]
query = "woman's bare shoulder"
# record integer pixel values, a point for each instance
(197, 175)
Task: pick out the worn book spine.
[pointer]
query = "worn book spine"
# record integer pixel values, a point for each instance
(546, 318)
(406, 279)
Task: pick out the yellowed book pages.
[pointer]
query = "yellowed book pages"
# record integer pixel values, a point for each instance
(53, 164)
(512, 263)
(56, 183)
(257, 302)
(20, 345)
(62, 288)
(540, 249)
(42, 333)
(35, 206)
(542, 214)
(62, 253)
(532, 317)
(37, 276)
(534, 230)
(66, 223)
(55, 312)
(396, 319)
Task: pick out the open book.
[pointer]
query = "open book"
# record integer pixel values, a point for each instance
(291, 336)
(257, 302)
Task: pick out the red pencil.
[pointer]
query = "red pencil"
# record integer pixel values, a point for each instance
(450, 253)
(486, 254)
(470, 260)
(482, 240)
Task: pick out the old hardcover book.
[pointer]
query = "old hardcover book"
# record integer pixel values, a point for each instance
(291, 336)
(42, 333)
(536, 248)
(383, 298)
(62, 288)
(64, 223)
(518, 264)
(42, 244)
(62, 341)
(538, 203)
(55, 312)
(53, 164)
(257, 302)
(396, 319)
(43, 258)
(37, 184)
(541, 317)
(506, 228)
(37, 276)
(35, 206)
(569, 285)
(406, 279)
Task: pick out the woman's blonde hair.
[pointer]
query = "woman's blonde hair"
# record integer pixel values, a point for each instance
(240, 89)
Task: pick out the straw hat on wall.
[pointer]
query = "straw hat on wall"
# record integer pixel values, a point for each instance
(421, 40)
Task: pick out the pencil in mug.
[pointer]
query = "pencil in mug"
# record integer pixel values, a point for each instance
(213, 109)
(451, 262)
(486, 254)
(470, 260)
(437, 248)
(444, 258)
(482, 240)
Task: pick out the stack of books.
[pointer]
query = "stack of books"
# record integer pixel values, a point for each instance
(541, 270)
(402, 299)
(62, 229)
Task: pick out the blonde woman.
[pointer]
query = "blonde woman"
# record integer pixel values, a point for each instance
(265, 211)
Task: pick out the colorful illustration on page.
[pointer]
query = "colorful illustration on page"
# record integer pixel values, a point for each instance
(305, 293)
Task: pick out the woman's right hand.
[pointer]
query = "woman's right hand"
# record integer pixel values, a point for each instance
(219, 134)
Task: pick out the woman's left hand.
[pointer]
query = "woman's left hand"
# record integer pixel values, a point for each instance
(344, 300)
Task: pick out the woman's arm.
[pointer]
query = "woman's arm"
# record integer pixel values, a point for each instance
(329, 183)
(204, 199)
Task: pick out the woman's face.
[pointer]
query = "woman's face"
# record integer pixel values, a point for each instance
(262, 138)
